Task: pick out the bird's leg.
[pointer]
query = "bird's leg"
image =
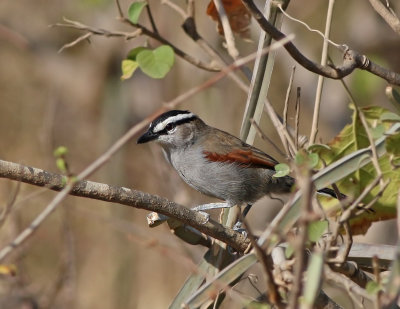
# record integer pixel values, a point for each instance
(246, 210)
(238, 225)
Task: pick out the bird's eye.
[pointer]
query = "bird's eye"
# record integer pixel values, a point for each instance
(170, 127)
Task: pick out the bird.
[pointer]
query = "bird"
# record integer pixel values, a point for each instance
(215, 162)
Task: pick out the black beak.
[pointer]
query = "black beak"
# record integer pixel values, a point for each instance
(146, 137)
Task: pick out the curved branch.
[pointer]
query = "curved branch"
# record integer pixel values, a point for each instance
(124, 196)
(389, 18)
(352, 59)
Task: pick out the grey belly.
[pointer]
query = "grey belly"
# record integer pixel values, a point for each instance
(230, 183)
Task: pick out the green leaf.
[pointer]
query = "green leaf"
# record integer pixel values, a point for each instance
(289, 250)
(317, 148)
(300, 158)
(378, 131)
(156, 63)
(313, 282)
(314, 159)
(128, 67)
(393, 144)
(134, 52)
(393, 96)
(60, 151)
(282, 170)
(373, 287)
(316, 229)
(311, 159)
(390, 117)
(351, 139)
(61, 165)
(135, 9)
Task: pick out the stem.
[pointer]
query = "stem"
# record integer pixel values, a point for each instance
(324, 57)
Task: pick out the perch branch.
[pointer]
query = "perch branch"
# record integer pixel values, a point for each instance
(124, 196)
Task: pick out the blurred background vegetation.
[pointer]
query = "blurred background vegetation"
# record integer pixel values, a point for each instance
(92, 254)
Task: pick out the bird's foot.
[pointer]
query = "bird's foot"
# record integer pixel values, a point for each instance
(203, 207)
(211, 206)
(238, 227)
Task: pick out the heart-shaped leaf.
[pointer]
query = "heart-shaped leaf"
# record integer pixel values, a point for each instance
(135, 9)
(156, 63)
(134, 52)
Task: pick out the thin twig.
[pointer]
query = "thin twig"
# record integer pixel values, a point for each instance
(320, 84)
(349, 211)
(398, 217)
(152, 22)
(324, 36)
(235, 65)
(97, 31)
(280, 128)
(86, 36)
(304, 182)
(297, 118)
(375, 159)
(352, 59)
(272, 290)
(375, 267)
(286, 107)
(230, 40)
(120, 12)
(11, 202)
(175, 7)
(265, 137)
(190, 8)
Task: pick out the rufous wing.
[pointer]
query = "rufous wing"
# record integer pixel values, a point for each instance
(245, 157)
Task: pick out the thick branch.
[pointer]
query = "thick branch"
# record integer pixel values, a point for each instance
(352, 59)
(124, 196)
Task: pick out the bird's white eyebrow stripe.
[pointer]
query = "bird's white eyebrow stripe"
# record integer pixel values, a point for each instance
(161, 126)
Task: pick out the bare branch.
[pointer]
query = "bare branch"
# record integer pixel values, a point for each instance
(352, 59)
(142, 30)
(124, 196)
(267, 263)
(390, 18)
(320, 85)
(286, 107)
(343, 281)
(83, 37)
(230, 40)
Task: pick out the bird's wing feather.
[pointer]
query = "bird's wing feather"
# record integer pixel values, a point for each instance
(234, 150)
